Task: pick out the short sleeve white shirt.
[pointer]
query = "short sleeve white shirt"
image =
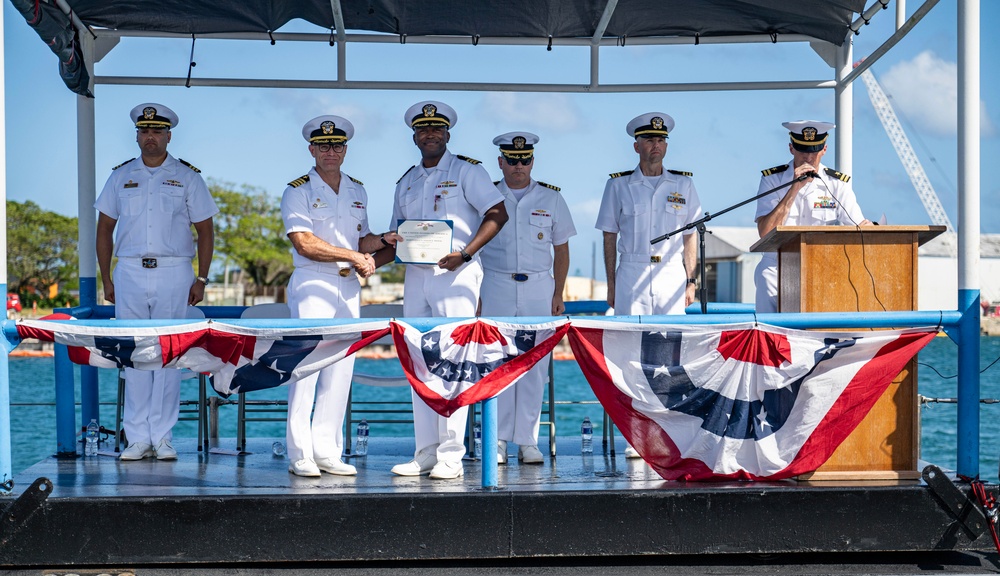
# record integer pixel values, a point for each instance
(155, 207)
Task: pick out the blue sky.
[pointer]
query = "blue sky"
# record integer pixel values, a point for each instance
(252, 136)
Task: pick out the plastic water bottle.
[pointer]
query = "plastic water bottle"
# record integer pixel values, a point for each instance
(477, 437)
(93, 432)
(278, 449)
(586, 436)
(361, 447)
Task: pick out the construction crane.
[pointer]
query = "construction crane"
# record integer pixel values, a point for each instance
(905, 151)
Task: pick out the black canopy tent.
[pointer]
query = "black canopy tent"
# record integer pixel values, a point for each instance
(547, 20)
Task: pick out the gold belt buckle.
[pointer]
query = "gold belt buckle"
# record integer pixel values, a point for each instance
(654, 259)
(344, 272)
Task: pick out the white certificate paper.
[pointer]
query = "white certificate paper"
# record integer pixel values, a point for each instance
(424, 241)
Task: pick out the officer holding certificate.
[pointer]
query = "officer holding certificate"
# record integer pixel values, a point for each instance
(457, 190)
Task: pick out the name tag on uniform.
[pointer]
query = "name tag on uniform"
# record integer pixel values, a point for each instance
(447, 184)
(131, 184)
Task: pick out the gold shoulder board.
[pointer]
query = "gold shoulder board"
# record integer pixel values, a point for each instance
(299, 181)
(123, 163)
(356, 181)
(556, 188)
(838, 175)
(467, 159)
(681, 173)
(188, 165)
(774, 170)
(620, 174)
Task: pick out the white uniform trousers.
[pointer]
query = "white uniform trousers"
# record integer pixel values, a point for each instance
(313, 294)
(519, 407)
(765, 278)
(650, 288)
(152, 397)
(434, 292)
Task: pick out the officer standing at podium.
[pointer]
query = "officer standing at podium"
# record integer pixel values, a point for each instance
(825, 198)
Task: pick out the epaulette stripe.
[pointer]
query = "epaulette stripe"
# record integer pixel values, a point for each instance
(356, 181)
(681, 173)
(123, 163)
(620, 174)
(467, 159)
(838, 175)
(405, 173)
(182, 161)
(299, 181)
(556, 188)
(775, 170)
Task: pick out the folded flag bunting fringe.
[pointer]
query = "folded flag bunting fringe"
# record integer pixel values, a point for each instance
(461, 363)
(240, 359)
(740, 401)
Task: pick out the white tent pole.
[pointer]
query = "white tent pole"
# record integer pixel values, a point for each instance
(6, 472)
(844, 98)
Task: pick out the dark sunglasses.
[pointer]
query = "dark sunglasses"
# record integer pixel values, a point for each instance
(512, 161)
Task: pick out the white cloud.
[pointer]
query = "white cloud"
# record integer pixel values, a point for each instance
(544, 112)
(925, 91)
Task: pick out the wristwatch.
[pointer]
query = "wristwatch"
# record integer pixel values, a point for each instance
(201, 279)
(465, 255)
(692, 280)
(382, 238)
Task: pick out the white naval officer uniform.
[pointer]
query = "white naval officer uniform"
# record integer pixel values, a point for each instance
(323, 290)
(154, 209)
(457, 189)
(650, 278)
(523, 247)
(827, 200)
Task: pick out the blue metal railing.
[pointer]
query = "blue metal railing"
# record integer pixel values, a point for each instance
(963, 328)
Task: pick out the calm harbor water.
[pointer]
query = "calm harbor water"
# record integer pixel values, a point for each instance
(33, 435)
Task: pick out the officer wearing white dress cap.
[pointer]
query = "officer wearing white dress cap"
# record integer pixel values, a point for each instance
(325, 213)
(443, 186)
(146, 210)
(639, 205)
(825, 198)
(524, 272)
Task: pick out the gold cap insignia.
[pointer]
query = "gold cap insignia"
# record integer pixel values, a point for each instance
(149, 113)
(327, 127)
(656, 123)
(430, 110)
(519, 142)
(809, 134)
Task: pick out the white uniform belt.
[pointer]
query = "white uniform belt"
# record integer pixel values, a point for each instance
(331, 269)
(515, 276)
(160, 260)
(645, 259)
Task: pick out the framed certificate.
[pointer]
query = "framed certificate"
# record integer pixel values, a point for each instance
(424, 241)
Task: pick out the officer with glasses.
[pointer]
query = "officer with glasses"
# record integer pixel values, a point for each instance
(524, 272)
(153, 201)
(824, 198)
(639, 205)
(325, 213)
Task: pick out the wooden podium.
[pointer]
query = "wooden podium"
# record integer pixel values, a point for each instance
(850, 269)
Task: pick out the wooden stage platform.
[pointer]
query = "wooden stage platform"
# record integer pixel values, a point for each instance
(247, 510)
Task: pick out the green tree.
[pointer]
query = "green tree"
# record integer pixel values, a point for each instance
(250, 233)
(41, 249)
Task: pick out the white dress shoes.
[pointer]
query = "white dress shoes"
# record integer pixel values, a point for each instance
(501, 451)
(305, 467)
(419, 466)
(137, 451)
(530, 455)
(631, 453)
(165, 450)
(336, 466)
(447, 470)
